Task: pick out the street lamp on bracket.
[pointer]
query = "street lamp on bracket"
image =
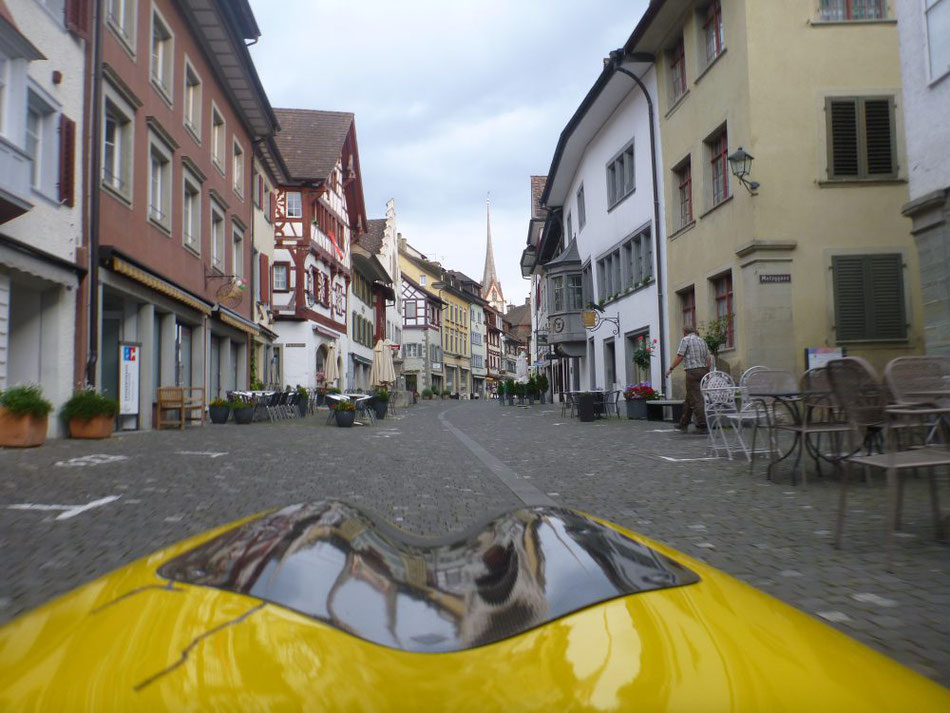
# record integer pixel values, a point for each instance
(741, 164)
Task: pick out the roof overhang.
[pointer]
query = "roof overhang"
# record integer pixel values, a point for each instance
(651, 35)
(221, 27)
(17, 44)
(610, 89)
(369, 265)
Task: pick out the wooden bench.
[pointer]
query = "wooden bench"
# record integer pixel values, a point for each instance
(657, 409)
(177, 404)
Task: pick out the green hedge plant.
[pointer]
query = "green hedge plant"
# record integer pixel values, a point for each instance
(88, 404)
(25, 401)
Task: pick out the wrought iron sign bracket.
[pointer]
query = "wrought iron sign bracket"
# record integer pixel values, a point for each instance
(600, 319)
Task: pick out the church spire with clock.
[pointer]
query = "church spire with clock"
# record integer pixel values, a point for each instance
(491, 286)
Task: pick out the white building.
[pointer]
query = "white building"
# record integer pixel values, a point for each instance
(42, 76)
(599, 241)
(925, 71)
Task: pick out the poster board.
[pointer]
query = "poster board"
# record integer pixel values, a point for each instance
(129, 371)
(816, 357)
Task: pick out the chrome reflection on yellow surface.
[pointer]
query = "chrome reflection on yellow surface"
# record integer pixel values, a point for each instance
(717, 645)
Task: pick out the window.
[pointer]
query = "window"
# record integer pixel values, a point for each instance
(869, 297)
(217, 237)
(237, 169)
(688, 306)
(723, 290)
(4, 80)
(861, 138)
(280, 278)
(620, 176)
(638, 254)
(40, 140)
(712, 31)
(937, 19)
(218, 134)
(677, 71)
(121, 18)
(117, 143)
(718, 147)
(411, 309)
(581, 209)
(237, 251)
(163, 55)
(422, 280)
(294, 205)
(191, 212)
(568, 293)
(193, 101)
(34, 143)
(569, 227)
(843, 10)
(159, 183)
(684, 180)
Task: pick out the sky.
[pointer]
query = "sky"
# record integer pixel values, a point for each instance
(454, 100)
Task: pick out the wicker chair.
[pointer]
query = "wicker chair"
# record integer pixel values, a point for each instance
(922, 382)
(759, 408)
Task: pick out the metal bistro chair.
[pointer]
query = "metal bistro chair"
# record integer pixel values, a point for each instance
(761, 396)
(364, 407)
(923, 383)
(719, 400)
(612, 401)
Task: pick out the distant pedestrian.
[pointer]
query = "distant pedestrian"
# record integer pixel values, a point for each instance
(697, 361)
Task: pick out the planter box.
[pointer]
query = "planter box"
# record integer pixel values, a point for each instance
(243, 415)
(345, 419)
(96, 427)
(22, 431)
(585, 407)
(219, 414)
(636, 409)
(381, 407)
(303, 405)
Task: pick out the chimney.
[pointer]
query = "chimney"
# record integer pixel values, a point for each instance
(401, 242)
(527, 300)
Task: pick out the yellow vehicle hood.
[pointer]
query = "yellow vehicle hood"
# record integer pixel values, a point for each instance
(135, 641)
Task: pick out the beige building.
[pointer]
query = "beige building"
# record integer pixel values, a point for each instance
(817, 255)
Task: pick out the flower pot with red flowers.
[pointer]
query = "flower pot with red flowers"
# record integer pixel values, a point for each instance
(24, 417)
(636, 397)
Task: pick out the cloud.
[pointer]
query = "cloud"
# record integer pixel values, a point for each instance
(452, 100)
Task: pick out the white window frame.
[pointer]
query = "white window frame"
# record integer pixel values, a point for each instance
(121, 19)
(45, 164)
(285, 271)
(4, 83)
(237, 250)
(122, 186)
(191, 107)
(299, 204)
(188, 179)
(160, 166)
(217, 235)
(164, 82)
(934, 6)
(219, 138)
(621, 177)
(581, 209)
(237, 167)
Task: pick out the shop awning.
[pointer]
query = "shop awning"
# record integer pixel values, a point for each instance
(232, 319)
(361, 359)
(122, 267)
(322, 331)
(33, 261)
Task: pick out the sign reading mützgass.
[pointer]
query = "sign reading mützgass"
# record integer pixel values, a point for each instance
(770, 279)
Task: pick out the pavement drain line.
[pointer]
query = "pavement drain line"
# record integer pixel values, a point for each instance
(524, 491)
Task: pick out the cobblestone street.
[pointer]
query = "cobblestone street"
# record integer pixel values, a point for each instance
(439, 466)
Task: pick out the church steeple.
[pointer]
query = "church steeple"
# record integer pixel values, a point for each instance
(491, 286)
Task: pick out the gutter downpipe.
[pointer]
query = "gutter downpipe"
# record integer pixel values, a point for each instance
(93, 178)
(617, 56)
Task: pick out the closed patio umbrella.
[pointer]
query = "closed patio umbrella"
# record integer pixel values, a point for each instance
(331, 372)
(382, 372)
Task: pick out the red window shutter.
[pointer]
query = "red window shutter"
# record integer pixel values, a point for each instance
(78, 20)
(270, 201)
(67, 161)
(265, 279)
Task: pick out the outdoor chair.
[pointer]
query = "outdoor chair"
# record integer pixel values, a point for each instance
(923, 383)
(612, 403)
(770, 399)
(748, 372)
(719, 400)
(864, 399)
(364, 408)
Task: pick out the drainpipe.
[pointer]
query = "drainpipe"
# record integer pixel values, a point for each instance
(616, 57)
(93, 179)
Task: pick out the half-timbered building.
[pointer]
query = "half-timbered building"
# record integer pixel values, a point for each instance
(421, 336)
(318, 215)
(494, 364)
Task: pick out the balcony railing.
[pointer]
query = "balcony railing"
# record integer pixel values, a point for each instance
(338, 250)
(15, 176)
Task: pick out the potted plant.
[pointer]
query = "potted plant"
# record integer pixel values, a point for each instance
(543, 385)
(381, 403)
(345, 414)
(636, 397)
(243, 412)
(426, 394)
(531, 389)
(89, 414)
(510, 391)
(501, 392)
(303, 398)
(520, 391)
(643, 352)
(717, 334)
(219, 410)
(585, 406)
(24, 417)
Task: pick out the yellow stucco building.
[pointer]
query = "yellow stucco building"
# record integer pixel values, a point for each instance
(817, 255)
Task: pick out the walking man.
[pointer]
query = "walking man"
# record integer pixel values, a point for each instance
(697, 361)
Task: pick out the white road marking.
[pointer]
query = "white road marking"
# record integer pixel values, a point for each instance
(69, 511)
(92, 459)
(834, 616)
(210, 454)
(684, 460)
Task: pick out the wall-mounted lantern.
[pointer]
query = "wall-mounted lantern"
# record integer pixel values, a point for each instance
(741, 164)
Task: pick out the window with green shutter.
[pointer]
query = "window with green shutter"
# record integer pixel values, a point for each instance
(861, 138)
(869, 297)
